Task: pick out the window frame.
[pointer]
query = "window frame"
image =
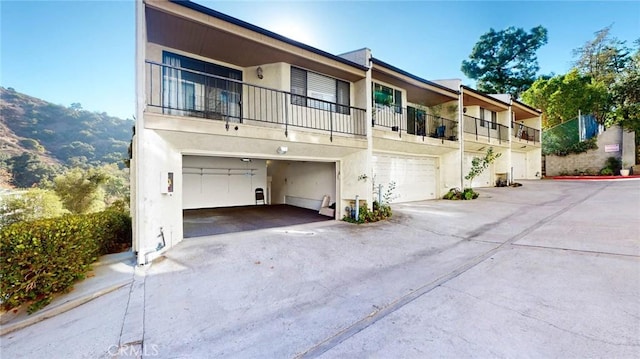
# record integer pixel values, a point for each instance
(197, 100)
(300, 92)
(395, 94)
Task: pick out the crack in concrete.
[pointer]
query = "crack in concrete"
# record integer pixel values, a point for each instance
(402, 301)
(132, 331)
(581, 251)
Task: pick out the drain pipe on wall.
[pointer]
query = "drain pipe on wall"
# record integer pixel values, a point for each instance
(357, 207)
(160, 246)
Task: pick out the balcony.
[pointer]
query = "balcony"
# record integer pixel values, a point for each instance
(486, 129)
(414, 121)
(525, 133)
(181, 92)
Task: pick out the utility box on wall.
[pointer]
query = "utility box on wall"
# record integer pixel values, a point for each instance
(166, 183)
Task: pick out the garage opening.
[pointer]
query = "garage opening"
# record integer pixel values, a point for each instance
(220, 193)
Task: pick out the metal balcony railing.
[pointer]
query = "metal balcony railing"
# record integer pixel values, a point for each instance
(414, 122)
(525, 133)
(182, 92)
(487, 129)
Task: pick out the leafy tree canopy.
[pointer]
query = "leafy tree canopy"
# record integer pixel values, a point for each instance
(81, 190)
(32, 204)
(626, 95)
(603, 58)
(505, 61)
(563, 96)
(28, 170)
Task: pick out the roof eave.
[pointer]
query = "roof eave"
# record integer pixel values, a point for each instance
(230, 19)
(417, 78)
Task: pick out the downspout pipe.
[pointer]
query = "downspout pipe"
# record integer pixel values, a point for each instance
(160, 246)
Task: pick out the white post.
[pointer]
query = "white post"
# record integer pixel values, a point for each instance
(461, 134)
(137, 197)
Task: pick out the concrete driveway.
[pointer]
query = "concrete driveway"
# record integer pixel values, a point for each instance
(548, 270)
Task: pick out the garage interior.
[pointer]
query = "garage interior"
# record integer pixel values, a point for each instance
(221, 194)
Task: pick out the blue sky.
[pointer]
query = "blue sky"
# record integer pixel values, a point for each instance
(83, 51)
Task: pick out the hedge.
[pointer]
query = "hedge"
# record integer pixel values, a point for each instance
(44, 257)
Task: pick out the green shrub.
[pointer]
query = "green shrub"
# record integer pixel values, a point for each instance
(606, 171)
(378, 213)
(456, 194)
(44, 257)
(614, 164)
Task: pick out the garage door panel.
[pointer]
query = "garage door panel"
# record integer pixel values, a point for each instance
(220, 182)
(415, 178)
(519, 164)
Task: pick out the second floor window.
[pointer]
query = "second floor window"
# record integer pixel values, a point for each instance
(200, 88)
(318, 91)
(493, 118)
(386, 96)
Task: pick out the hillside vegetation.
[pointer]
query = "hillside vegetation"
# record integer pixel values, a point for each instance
(39, 139)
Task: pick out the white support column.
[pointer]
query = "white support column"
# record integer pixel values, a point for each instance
(137, 195)
(461, 134)
(511, 119)
(369, 114)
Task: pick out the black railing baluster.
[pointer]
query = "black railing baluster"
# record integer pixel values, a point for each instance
(220, 98)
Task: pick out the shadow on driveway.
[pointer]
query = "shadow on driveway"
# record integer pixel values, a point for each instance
(210, 221)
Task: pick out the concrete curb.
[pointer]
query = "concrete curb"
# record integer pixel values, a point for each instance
(111, 272)
(61, 308)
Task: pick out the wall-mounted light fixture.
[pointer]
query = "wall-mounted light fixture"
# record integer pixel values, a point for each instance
(259, 72)
(245, 159)
(282, 150)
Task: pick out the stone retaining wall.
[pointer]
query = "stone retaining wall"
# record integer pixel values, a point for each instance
(593, 161)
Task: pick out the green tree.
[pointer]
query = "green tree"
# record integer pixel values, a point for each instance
(479, 164)
(561, 98)
(603, 58)
(27, 169)
(116, 185)
(505, 61)
(29, 205)
(81, 190)
(626, 95)
(77, 149)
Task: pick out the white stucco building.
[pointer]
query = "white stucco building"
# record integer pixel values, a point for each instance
(225, 107)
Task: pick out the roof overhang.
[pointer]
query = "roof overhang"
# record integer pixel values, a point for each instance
(472, 97)
(196, 29)
(419, 91)
(523, 111)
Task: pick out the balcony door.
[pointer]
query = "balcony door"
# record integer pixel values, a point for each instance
(196, 88)
(416, 121)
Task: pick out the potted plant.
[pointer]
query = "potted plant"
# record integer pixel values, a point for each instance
(624, 171)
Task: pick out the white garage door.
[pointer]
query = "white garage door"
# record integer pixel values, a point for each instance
(415, 177)
(519, 164)
(484, 179)
(209, 182)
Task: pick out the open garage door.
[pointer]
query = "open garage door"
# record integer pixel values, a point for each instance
(484, 179)
(519, 164)
(211, 182)
(415, 177)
